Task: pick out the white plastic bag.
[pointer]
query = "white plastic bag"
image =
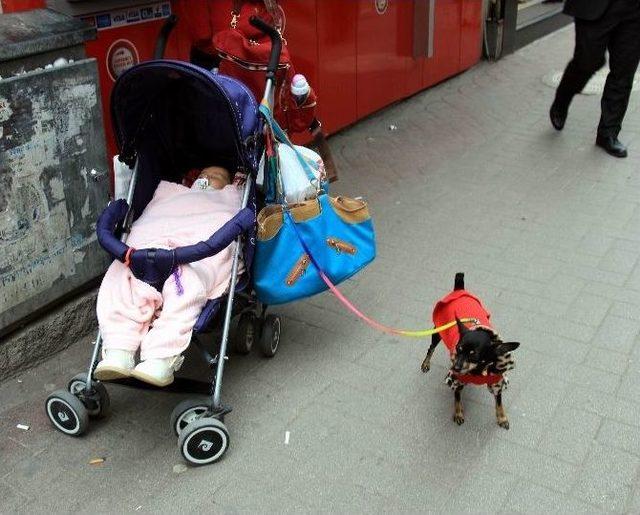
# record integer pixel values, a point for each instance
(122, 178)
(297, 185)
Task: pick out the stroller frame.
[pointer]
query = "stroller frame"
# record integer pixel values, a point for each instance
(199, 424)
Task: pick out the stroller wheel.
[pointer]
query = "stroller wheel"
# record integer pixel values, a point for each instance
(203, 441)
(270, 337)
(244, 333)
(96, 401)
(67, 413)
(186, 412)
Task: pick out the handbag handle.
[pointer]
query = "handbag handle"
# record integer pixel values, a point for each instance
(272, 7)
(282, 137)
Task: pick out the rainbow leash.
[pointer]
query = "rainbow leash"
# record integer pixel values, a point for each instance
(369, 321)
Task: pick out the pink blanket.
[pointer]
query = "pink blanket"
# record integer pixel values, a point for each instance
(133, 314)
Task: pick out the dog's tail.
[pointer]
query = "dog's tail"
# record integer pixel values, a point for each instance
(459, 281)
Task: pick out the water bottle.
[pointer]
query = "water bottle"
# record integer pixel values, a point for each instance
(300, 89)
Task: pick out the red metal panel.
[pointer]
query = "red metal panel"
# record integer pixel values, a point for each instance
(302, 37)
(446, 42)
(9, 6)
(357, 60)
(382, 60)
(140, 39)
(471, 40)
(195, 24)
(336, 62)
(413, 66)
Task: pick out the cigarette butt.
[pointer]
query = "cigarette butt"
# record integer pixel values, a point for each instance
(286, 437)
(24, 427)
(96, 461)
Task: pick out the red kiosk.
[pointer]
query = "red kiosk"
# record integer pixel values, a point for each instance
(359, 56)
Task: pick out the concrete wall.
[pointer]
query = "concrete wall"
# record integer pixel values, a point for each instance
(50, 333)
(53, 185)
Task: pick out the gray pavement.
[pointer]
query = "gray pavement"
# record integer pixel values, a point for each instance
(547, 229)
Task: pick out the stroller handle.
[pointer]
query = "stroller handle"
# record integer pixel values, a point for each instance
(276, 44)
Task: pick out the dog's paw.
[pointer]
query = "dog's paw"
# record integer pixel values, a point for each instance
(426, 366)
(503, 423)
(458, 418)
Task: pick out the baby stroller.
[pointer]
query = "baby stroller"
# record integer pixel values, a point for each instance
(170, 117)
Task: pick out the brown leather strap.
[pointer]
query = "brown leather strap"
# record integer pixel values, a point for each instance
(320, 143)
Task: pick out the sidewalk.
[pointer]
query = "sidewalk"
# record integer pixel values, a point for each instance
(547, 229)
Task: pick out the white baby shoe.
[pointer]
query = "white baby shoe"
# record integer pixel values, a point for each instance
(158, 371)
(115, 364)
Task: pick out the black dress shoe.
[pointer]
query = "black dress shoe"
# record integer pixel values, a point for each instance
(612, 146)
(558, 116)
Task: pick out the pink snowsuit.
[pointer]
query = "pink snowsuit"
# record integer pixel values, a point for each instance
(127, 307)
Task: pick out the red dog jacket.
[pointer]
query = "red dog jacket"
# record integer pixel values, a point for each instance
(462, 304)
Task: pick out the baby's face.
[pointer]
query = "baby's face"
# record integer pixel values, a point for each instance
(217, 176)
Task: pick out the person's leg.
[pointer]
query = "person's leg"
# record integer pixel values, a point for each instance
(184, 299)
(170, 335)
(589, 56)
(125, 309)
(624, 56)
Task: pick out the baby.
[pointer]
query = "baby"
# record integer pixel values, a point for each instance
(134, 315)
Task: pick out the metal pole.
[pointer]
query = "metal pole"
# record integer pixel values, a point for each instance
(227, 317)
(98, 343)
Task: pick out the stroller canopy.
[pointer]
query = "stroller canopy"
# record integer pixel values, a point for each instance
(174, 116)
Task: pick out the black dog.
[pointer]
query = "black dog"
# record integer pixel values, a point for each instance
(478, 355)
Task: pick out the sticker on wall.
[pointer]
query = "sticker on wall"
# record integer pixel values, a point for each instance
(105, 20)
(381, 6)
(121, 56)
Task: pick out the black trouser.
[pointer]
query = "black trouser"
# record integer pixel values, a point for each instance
(619, 32)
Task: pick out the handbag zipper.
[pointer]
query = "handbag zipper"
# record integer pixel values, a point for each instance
(341, 246)
(298, 270)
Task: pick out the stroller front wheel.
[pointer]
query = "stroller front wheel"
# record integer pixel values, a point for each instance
(67, 413)
(203, 441)
(96, 401)
(186, 412)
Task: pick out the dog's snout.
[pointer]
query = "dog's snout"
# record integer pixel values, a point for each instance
(458, 364)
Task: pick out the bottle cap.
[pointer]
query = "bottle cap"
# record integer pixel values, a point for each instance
(299, 85)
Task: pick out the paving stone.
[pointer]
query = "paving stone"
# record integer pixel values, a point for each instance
(593, 378)
(484, 489)
(607, 478)
(620, 261)
(12, 501)
(617, 334)
(626, 310)
(621, 436)
(539, 399)
(603, 404)
(530, 465)
(527, 497)
(588, 309)
(570, 434)
(606, 360)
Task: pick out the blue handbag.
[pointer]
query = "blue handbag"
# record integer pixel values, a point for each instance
(337, 232)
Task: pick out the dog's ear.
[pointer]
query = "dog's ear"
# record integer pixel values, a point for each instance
(462, 329)
(504, 347)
